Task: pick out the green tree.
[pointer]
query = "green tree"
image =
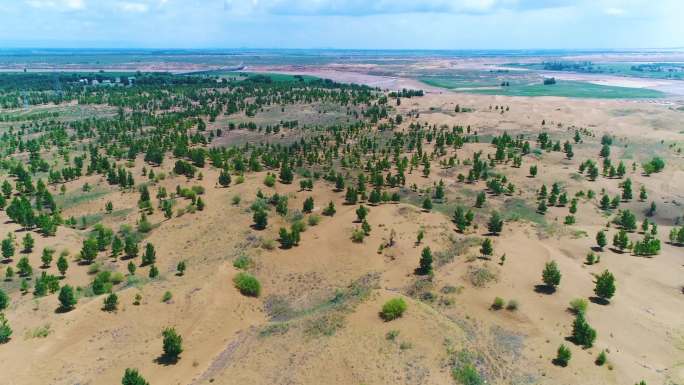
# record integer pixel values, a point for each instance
(150, 255)
(495, 224)
(308, 205)
(172, 344)
(427, 204)
(487, 249)
(28, 242)
(24, 267)
(361, 213)
(551, 275)
(4, 300)
(425, 266)
(67, 299)
(582, 333)
(111, 302)
(132, 377)
(601, 240)
(180, 267)
(5, 329)
(260, 218)
(8, 247)
(62, 265)
(605, 285)
(89, 250)
(620, 240)
(480, 199)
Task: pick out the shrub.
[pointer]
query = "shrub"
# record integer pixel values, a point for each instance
(167, 297)
(358, 235)
(247, 284)
(498, 303)
(242, 262)
(392, 335)
(393, 309)
(563, 356)
(579, 305)
(313, 220)
(467, 375)
(601, 358)
(512, 305)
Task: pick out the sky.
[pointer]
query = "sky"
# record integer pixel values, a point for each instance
(352, 24)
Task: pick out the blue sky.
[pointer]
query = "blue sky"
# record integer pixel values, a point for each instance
(363, 24)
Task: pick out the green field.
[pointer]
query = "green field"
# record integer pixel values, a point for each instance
(569, 89)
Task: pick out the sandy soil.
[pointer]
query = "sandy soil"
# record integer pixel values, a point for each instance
(232, 339)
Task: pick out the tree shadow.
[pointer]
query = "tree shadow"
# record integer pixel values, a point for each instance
(166, 360)
(558, 362)
(596, 249)
(544, 289)
(63, 310)
(599, 300)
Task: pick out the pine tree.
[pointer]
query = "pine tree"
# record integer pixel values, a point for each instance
(67, 298)
(150, 255)
(582, 333)
(551, 275)
(132, 377)
(425, 266)
(495, 224)
(172, 344)
(601, 240)
(605, 285)
(62, 265)
(487, 249)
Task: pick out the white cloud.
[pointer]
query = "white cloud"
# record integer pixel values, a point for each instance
(132, 7)
(58, 4)
(612, 11)
(366, 7)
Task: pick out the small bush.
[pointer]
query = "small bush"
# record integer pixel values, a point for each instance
(393, 309)
(242, 262)
(167, 297)
(392, 335)
(247, 284)
(498, 303)
(314, 220)
(512, 305)
(358, 235)
(579, 305)
(601, 358)
(268, 244)
(563, 356)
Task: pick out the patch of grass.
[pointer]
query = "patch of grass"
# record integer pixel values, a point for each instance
(274, 329)
(481, 276)
(77, 197)
(517, 209)
(324, 325)
(38, 332)
(464, 370)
